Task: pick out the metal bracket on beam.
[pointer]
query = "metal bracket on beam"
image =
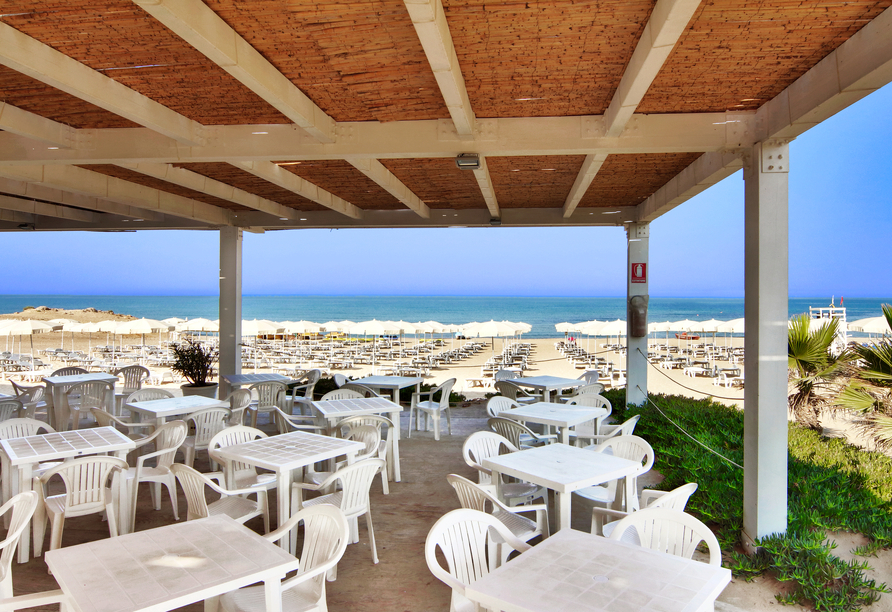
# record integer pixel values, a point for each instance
(775, 157)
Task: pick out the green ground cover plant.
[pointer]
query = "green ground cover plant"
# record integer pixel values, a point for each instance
(832, 486)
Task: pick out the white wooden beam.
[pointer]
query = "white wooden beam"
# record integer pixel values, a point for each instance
(587, 173)
(46, 210)
(678, 133)
(666, 24)
(24, 123)
(202, 28)
(39, 61)
(290, 181)
(198, 182)
(484, 181)
(859, 66)
(125, 198)
(385, 179)
(430, 24)
(706, 171)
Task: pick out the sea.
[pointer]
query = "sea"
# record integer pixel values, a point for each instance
(542, 313)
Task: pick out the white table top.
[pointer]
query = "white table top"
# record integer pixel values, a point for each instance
(289, 451)
(562, 468)
(65, 444)
(356, 406)
(250, 379)
(580, 572)
(558, 415)
(177, 405)
(166, 568)
(397, 382)
(79, 378)
(550, 382)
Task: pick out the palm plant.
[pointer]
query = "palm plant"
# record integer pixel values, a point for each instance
(813, 366)
(869, 391)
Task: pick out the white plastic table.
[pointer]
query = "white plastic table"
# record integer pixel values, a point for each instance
(392, 383)
(573, 571)
(56, 386)
(23, 453)
(335, 410)
(563, 469)
(169, 567)
(547, 384)
(555, 415)
(161, 409)
(285, 453)
(235, 381)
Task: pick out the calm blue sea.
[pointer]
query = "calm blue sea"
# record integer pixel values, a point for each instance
(540, 312)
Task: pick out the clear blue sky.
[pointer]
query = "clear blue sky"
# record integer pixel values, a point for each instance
(840, 231)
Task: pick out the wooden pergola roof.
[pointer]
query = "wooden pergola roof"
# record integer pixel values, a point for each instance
(263, 114)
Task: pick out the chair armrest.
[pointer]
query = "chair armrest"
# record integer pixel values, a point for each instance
(649, 495)
(33, 600)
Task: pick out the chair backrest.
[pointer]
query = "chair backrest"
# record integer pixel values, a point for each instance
(591, 377)
(676, 499)
(445, 390)
(169, 437)
(69, 371)
(632, 448)
(33, 393)
(369, 435)
(10, 408)
(22, 508)
(269, 394)
(505, 375)
(462, 537)
(669, 531)
(481, 445)
(382, 423)
(86, 480)
(510, 429)
(365, 391)
(326, 534)
(92, 394)
(626, 428)
(134, 376)
(509, 389)
(106, 419)
(340, 380)
(22, 428)
(470, 494)
(499, 403)
(591, 388)
(239, 400)
(238, 434)
(342, 394)
(355, 481)
(148, 395)
(208, 423)
(193, 483)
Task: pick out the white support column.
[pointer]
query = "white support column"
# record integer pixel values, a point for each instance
(230, 304)
(765, 398)
(638, 235)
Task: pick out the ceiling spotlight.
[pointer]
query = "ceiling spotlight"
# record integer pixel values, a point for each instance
(467, 161)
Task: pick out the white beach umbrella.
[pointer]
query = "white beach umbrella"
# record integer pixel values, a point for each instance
(260, 327)
(301, 327)
(707, 327)
(685, 325)
(333, 326)
(373, 328)
(28, 327)
(491, 329)
(173, 321)
(144, 326)
(88, 328)
(198, 325)
(734, 326)
(870, 325)
(613, 328)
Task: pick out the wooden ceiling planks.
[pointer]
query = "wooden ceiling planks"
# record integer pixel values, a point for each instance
(229, 174)
(346, 182)
(738, 54)
(541, 181)
(122, 41)
(628, 180)
(554, 58)
(33, 96)
(155, 183)
(359, 61)
(438, 182)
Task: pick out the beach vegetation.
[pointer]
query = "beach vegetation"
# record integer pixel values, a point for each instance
(833, 486)
(195, 361)
(869, 391)
(814, 370)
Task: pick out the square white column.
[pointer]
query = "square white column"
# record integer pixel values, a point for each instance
(230, 303)
(637, 279)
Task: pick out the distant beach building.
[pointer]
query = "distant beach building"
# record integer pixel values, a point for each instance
(818, 313)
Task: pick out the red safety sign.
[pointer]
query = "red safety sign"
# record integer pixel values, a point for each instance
(639, 272)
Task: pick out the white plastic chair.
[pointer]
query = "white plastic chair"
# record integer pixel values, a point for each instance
(340, 380)
(368, 435)
(464, 537)
(148, 395)
(21, 428)
(231, 502)
(325, 537)
(18, 512)
(520, 435)
(591, 377)
(499, 403)
(239, 401)
(362, 389)
(239, 475)
(608, 431)
(33, 399)
(134, 431)
(341, 393)
(632, 448)
(286, 423)
(385, 446)
(87, 491)
(583, 433)
(668, 531)
(86, 395)
(167, 439)
(432, 408)
(353, 498)
(134, 376)
(68, 371)
(515, 392)
(472, 495)
(270, 395)
(676, 499)
(481, 445)
(207, 423)
(10, 409)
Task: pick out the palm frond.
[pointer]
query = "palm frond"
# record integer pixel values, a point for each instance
(854, 397)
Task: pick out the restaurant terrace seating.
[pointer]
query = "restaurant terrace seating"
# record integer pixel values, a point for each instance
(669, 531)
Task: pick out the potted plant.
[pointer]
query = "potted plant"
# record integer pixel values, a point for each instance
(195, 361)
